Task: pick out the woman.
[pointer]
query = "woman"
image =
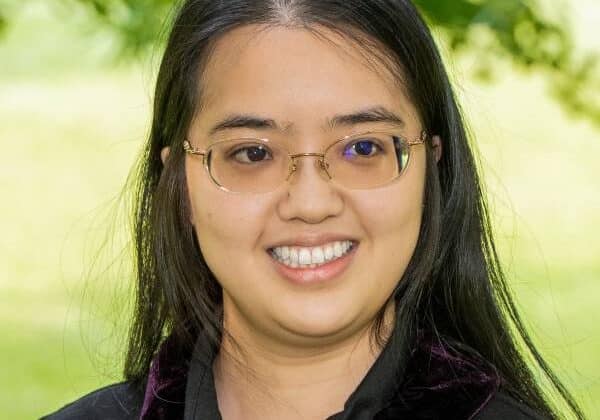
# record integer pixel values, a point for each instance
(312, 238)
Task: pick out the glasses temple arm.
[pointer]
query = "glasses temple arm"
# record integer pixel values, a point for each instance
(187, 147)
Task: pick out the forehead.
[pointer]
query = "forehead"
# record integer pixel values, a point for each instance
(297, 76)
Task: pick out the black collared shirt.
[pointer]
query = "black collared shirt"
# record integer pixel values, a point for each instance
(380, 396)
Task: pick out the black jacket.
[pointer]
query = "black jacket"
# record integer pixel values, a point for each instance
(435, 384)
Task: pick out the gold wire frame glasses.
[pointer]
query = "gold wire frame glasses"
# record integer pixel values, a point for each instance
(258, 165)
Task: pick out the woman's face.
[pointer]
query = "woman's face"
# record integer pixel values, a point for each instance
(301, 82)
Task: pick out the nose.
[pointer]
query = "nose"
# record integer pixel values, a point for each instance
(310, 196)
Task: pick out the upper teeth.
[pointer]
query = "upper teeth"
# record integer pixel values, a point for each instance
(296, 256)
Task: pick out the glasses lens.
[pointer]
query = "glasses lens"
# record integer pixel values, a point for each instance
(247, 165)
(368, 160)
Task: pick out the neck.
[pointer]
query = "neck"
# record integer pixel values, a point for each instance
(272, 382)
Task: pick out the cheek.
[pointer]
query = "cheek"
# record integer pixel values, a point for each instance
(221, 221)
(391, 218)
(225, 223)
(393, 223)
(397, 209)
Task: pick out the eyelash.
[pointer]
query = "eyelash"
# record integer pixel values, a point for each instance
(373, 143)
(239, 150)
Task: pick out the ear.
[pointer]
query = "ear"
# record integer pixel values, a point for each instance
(436, 144)
(164, 154)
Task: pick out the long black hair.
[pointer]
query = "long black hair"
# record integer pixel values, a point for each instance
(453, 286)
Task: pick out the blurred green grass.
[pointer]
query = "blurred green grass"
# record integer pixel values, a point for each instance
(71, 123)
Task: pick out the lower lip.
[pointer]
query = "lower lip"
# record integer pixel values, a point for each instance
(316, 275)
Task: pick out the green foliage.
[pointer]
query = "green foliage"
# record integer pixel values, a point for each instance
(515, 26)
(517, 30)
(138, 22)
(513, 29)
(3, 17)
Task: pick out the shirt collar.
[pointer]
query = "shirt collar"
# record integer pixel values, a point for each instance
(378, 387)
(375, 390)
(438, 381)
(200, 393)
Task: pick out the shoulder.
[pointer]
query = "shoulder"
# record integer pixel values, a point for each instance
(118, 401)
(502, 406)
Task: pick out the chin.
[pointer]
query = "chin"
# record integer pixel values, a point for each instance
(322, 326)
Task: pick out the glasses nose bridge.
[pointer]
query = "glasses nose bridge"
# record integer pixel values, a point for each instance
(321, 159)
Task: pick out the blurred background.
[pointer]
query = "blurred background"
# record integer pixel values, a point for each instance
(76, 81)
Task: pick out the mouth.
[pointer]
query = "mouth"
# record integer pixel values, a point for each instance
(301, 257)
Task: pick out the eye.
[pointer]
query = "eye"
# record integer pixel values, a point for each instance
(363, 148)
(251, 153)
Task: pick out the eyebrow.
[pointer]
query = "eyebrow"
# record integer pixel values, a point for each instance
(375, 114)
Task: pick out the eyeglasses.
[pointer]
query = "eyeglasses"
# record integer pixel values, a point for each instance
(257, 165)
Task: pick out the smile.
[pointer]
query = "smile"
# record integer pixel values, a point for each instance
(311, 257)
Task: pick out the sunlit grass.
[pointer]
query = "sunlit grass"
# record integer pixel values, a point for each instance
(69, 137)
